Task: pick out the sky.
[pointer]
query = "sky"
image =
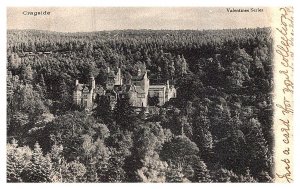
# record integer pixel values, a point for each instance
(87, 19)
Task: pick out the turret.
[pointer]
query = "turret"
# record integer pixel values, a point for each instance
(92, 82)
(119, 75)
(76, 93)
(168, 85)
(118, 78)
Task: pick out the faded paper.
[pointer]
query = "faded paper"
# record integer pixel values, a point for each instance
(117, 22)
(283, 24)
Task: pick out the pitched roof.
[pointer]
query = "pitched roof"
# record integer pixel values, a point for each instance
(111, 74)
(138, 78)
(86, 89)
(79, 87)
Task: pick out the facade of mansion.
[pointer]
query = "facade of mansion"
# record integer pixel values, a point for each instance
(138, 90)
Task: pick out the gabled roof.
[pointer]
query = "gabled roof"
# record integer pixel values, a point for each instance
(111, 74)
(86, 89)
(79, 87)
(138, 78)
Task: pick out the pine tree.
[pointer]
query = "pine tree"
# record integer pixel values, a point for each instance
(115, 172)
(95, 156)
(75, 172)
(43, 87)
(224, 175)
(65, 97)
(174, 174)
(201, 174)
(40, 168)
(58, 162)
(124, 114)
(258, 150)
(172, 69)
(18, 159)
(27, 74)
(103, 110)
(247, 177)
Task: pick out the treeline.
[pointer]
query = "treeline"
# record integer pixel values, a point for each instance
(219, 129)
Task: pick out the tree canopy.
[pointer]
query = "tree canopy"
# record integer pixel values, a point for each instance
(218, 129)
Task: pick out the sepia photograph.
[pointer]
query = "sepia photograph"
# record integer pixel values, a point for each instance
(148, 95)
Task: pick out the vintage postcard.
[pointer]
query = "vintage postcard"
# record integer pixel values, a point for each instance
(150, 94)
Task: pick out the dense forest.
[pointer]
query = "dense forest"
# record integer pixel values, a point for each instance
(218, 129)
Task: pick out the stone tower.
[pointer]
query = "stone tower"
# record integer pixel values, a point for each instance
(92, 83)
(118, 77)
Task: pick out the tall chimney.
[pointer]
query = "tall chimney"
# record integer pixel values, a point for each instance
(168, 85)
(139, 72)
(92, 82)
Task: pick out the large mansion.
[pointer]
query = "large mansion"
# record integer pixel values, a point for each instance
(138, 90)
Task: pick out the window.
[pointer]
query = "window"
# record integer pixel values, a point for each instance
(85, 103)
